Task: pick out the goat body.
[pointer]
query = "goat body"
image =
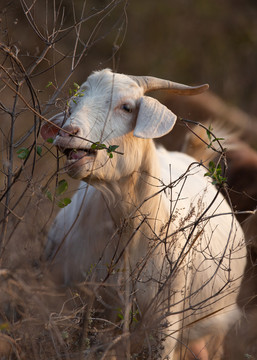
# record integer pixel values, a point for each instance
(148, 223)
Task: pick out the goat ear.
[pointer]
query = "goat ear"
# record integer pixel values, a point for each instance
(49, 130)
(154, 119)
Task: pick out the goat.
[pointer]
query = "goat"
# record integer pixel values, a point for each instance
(147, 222)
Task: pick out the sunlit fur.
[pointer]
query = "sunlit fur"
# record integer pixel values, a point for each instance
(129, 192)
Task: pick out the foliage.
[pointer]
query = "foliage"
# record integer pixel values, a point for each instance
(110, 149)
(76, 92)
(23, 153)
(212, 138)
(60, 189)
(215, 173)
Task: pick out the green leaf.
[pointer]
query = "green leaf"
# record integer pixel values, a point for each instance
(76, 86)
(65, 335)
(4, 326)
(101, 146)
(50, 140)
(22, 153)
(49, 84)
(93, 146)
(49, 195)
(39, 150)
(209, 132)
(218, 139)
(98, 146)
(64, 202)
(61, 187)
(215, 173)
(120, 314)
(112, 148)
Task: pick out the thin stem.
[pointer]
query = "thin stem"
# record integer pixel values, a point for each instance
(10, 171)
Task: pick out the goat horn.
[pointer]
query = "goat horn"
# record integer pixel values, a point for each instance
(150, 83)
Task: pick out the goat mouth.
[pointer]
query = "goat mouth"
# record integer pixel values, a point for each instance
(77, 154)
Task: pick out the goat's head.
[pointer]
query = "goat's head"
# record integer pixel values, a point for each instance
(111, 108)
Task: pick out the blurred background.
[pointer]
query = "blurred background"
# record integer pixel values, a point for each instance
(190, 41)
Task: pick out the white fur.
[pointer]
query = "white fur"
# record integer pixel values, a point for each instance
(179, 277)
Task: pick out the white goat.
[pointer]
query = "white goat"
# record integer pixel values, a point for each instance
(150, 219)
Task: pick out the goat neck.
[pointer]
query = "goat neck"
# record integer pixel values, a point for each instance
(135, 196)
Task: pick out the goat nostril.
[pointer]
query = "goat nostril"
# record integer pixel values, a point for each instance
(69, 131)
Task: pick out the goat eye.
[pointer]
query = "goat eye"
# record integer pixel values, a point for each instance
(127, 108)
